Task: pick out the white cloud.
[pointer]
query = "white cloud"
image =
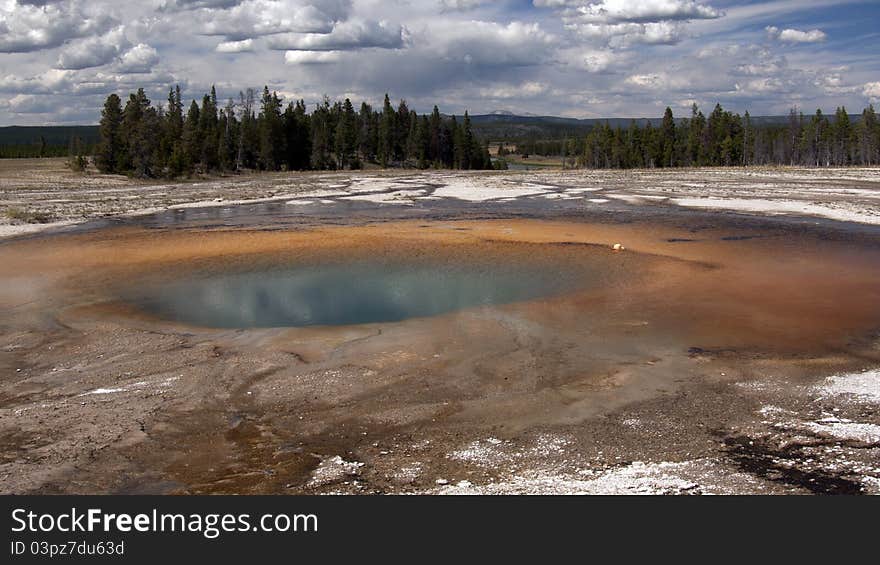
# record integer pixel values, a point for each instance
(620, 23)
(253, 18)
(492, 44)
(311, 57)
(92, 52)
(461, 5)
(50, 81)
(592, 60)
(761, 67)
(599, 61)
(795, 35)
(507, 91)
(139, 59)
(26, 27)
(872, 91)
(30, 104)
(762, 86)
(243, 46)
(626, 34)
(646, 81)
(632, 11)
(348, 35)
(832, 81)
(195, 4)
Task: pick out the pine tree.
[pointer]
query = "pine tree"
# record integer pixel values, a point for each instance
(820, 139)
(320, 136)
(842, 137)
(470, 148)
(795, 128)
(387, 131)
(139, 126)
(667, 133)
(346, 135)
(867, 137)
(697, 125)
(635, 158)
(459, 151)
(423, 142)
(303, 137)
(110, 146)
(748, 143)
(726, 156)
(269, 131)
(192, 146)
(207, 132)
(653, 145)
(402, 131)
(413, 138)
(366, 138)
(227, 137)
(249, 135)
(172, 148)
(876, 136)
(435, 126)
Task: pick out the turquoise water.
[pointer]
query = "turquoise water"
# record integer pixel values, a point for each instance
(345, 294)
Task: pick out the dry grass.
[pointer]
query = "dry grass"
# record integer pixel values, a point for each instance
(28, 217)
(53, 174)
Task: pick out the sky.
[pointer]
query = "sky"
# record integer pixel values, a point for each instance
(59, 59)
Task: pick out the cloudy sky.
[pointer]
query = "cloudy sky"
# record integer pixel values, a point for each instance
(627, 58)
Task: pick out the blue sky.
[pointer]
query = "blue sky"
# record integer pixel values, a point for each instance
(605, 58)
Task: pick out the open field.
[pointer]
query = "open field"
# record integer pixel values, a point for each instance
(516, 162)
(733, 347)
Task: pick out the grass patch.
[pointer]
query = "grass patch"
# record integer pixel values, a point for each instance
(28, 217)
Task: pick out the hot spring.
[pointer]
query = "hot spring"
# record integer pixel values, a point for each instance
(358, 292)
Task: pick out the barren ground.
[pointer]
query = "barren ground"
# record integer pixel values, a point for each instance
(732, 348)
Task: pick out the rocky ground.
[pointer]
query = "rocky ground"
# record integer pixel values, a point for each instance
(724, 352)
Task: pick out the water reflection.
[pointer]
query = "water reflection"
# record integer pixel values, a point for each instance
(354, 293)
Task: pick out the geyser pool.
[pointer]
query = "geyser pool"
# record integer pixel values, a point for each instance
(348, 293)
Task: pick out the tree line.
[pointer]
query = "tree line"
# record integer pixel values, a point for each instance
(46, 141)
(42, 147)
(727, 139)
(38, 149)
(169, 140)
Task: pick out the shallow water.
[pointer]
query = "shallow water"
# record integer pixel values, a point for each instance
(346, 294)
